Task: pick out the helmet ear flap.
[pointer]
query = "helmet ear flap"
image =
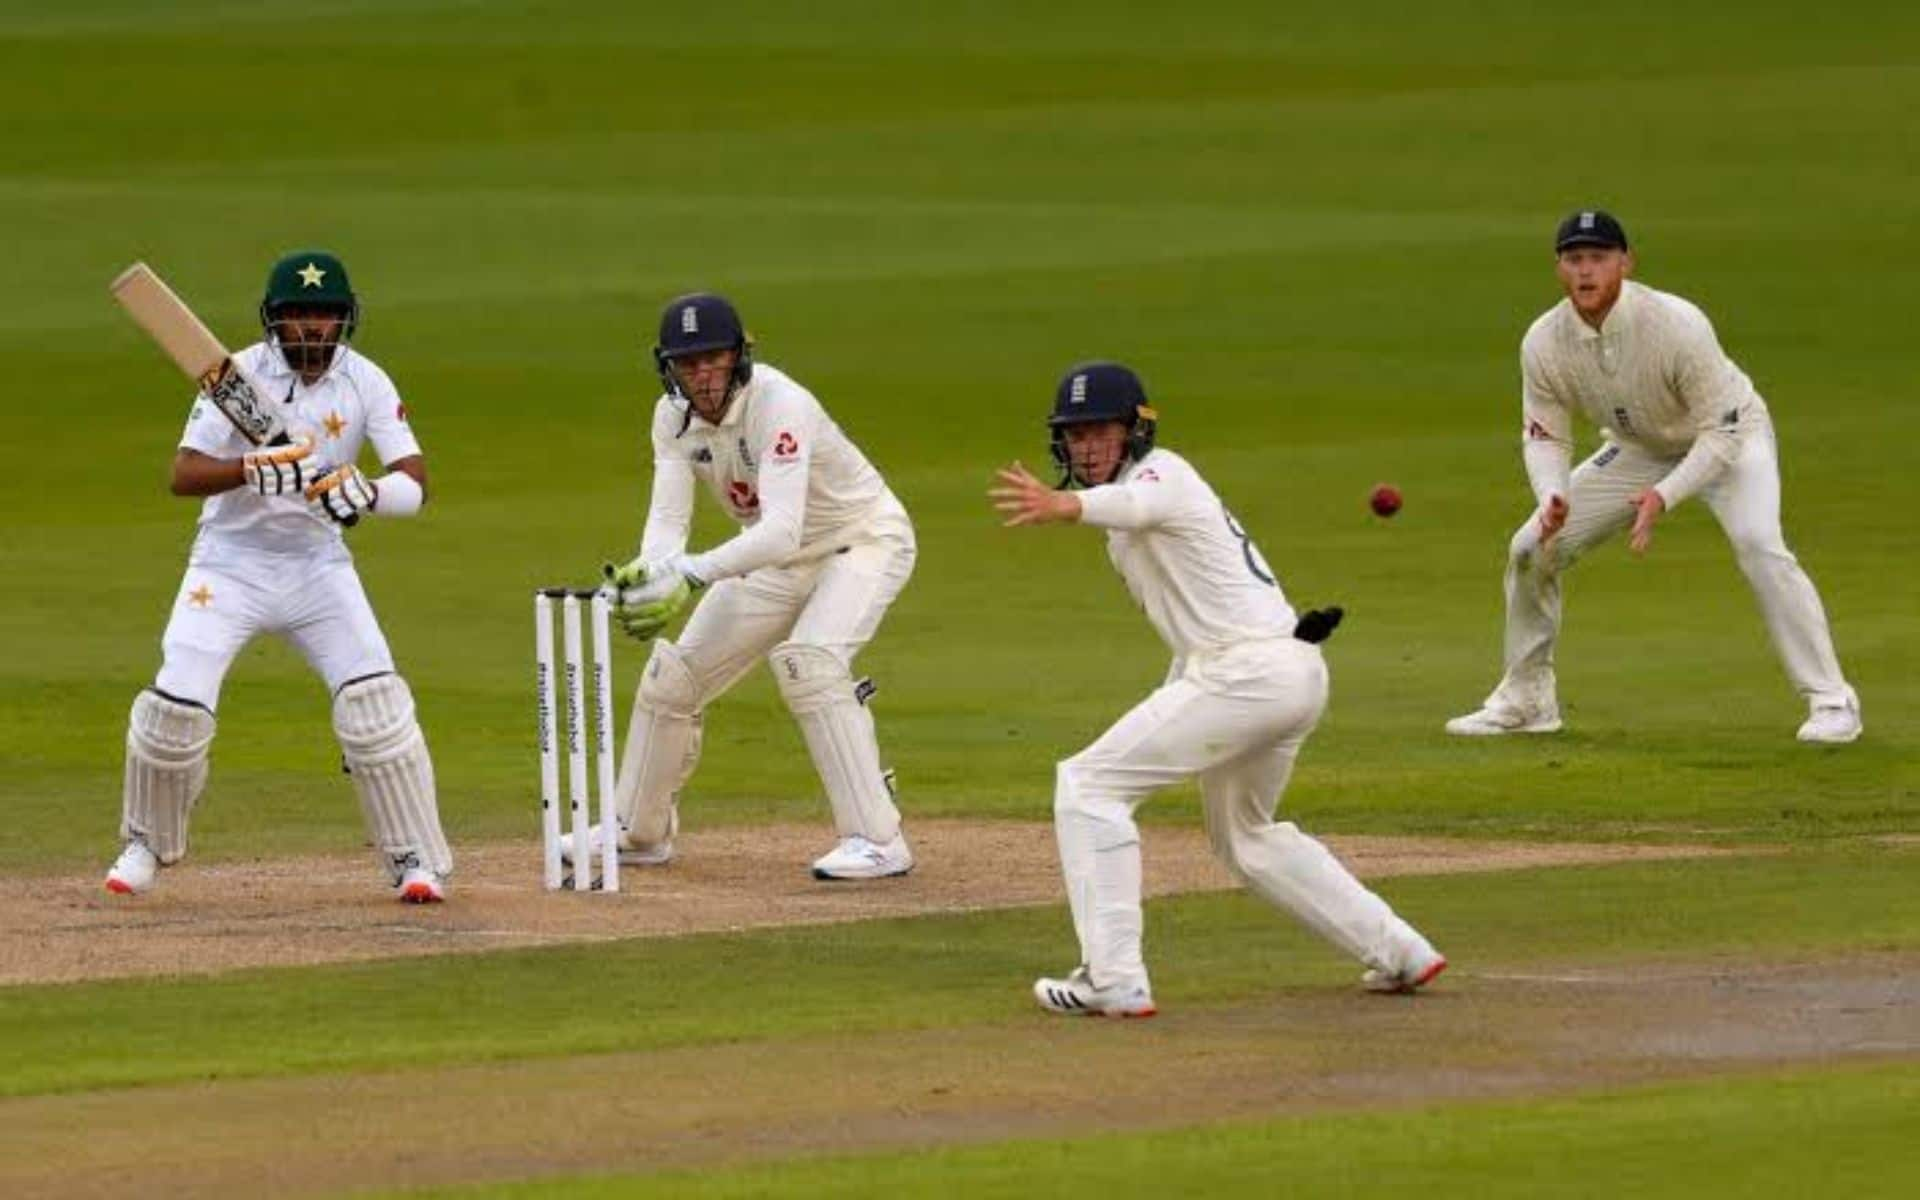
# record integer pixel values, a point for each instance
(663, 366)
(743, 362)
(1140, 435)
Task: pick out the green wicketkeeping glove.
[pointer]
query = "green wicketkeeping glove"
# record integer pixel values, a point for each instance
(648, 596)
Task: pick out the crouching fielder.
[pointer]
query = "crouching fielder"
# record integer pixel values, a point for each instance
(1679, 418)
(824, 548)
(1246, 687)
(269, 558)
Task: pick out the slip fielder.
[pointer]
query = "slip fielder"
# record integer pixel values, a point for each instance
(269, 558)
(1678, 419)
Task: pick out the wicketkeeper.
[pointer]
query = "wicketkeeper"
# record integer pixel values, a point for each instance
(269, 558)
(823, 549)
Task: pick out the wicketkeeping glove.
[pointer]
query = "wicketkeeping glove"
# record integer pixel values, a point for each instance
(342, 495)
(283, 470)
(648, 596)
(1318, 624)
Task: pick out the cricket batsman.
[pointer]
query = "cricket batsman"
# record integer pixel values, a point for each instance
(823, 549)
(1246, 687)
(1678, 419)
(269, 558)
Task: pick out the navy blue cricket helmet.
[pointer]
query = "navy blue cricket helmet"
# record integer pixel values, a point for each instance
(696, 323)
(1100, 391)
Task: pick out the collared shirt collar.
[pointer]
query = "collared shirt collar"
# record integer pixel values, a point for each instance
(1619, 318)
(731, 417)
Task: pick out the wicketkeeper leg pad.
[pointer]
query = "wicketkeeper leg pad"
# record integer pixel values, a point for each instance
(838, 729)
(167, 742)
(663, 748)
(387, 756)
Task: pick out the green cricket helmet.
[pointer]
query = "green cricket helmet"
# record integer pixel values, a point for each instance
(308, 279)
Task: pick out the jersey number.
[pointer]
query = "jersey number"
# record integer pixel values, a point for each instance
(1255, 562)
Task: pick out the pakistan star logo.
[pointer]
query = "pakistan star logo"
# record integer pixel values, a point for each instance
(311, 275)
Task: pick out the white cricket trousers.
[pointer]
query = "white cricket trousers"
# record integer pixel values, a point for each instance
(1236, 720)
(1745, 499)
(835, 602)
(230, 594)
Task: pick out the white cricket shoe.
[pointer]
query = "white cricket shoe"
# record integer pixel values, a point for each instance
(1077, 996)
(132, 873)
(1492, 720)
(857, 858)
(1421, 968)
(1832, 724)
(420, 886)
(632, 854)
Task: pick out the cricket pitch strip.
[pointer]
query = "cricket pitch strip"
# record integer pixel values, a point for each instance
(208, 917)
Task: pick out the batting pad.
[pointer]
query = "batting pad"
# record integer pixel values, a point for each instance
(663, 747)
(167, 743)
(387, 756)
(839, 733)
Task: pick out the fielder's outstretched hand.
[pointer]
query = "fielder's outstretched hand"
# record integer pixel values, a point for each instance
(1648, 506)
(1024, 500)
(342, 494)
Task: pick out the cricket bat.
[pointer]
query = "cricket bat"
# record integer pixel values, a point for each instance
(188, 342)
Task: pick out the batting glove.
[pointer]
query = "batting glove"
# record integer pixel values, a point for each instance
(342, 495)
(283, 470)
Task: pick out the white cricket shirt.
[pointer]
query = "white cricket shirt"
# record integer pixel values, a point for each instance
(1653, 376)
(777, 464)
(352, 403)
(1187, 561)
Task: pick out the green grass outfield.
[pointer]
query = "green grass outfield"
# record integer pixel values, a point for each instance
(1318, 232)
(1845, 1132)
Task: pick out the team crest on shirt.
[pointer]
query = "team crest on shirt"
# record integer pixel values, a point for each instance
(786, 447)
(703, 455)
(201, 596)
(335, 424)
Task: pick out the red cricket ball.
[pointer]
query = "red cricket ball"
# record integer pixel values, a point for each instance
(1385, 500)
